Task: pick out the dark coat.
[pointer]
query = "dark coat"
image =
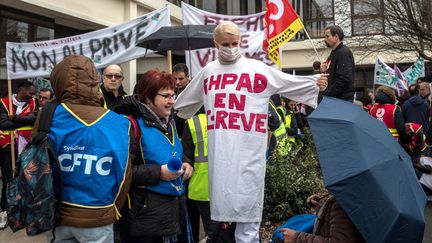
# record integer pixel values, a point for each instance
(341, 74)
(333, 225)
(110, 99)
(416, 110)
(76, 83)
(148, 214)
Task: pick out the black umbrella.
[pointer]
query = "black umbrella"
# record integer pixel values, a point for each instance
(185, 37)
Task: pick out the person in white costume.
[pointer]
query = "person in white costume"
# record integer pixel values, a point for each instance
(235, 92)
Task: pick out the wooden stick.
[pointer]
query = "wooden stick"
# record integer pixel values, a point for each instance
(169, 61)
(12, 134)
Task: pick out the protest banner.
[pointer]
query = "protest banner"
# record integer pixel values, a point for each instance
(115, 44)
(252, 36)
(416, 71)
(384, 75)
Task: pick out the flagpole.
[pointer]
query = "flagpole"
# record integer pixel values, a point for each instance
(310, 40)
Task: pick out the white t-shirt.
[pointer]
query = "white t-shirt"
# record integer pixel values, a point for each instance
(235, 98)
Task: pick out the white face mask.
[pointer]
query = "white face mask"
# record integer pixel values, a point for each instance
(228, 55)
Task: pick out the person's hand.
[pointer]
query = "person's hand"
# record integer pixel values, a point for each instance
(168, 175)
(312, 200)
(1, 134)
(10, 117)
(323, 67)
(188, 171)
(322, 82)
(288, 235)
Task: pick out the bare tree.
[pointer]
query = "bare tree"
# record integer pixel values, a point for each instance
(407, 27)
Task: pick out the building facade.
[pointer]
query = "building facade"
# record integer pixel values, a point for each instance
(37, 20)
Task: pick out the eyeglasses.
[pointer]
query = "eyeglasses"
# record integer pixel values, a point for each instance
(168, 97)
(116, 76)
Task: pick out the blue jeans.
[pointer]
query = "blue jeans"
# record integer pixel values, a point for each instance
(69, 234)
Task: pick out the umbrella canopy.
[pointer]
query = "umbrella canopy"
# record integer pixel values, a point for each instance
(368, 172)
(185, 37)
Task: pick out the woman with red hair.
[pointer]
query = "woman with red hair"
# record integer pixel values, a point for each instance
(152, 210)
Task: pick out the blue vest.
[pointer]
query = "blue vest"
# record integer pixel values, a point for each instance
(157, 149)
(93, 157)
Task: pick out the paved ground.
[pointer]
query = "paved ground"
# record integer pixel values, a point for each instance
(7, 236)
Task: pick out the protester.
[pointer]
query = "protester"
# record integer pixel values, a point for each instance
(416, 110)
(387, 111)
(195, 151)
(94, 158)
(18, 121)
(152, 211)
(235, 92)
(112, 88)
(181, 76)
(332, 224)
(417, 142)
(290, 120)
(366, 103)
(45, 95)
(425, 91)
(340, 65)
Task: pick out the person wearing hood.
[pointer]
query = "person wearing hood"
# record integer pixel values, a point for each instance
(416, 110)
(386, 110)
(152, 211)
(94, 158)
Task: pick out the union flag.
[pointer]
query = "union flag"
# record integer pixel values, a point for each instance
(281, 24)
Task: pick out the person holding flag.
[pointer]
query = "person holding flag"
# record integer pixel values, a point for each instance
(340, 65)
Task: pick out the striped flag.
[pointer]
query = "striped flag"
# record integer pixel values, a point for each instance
(281, 24)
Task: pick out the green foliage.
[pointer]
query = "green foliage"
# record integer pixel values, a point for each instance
(292, 175)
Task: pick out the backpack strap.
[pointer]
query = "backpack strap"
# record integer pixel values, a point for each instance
(46, 117)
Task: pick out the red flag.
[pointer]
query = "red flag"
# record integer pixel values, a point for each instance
(281, 24)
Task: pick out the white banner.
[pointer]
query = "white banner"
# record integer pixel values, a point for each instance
(106, 46)
(384, 74)
(416, 71)
(252, 36)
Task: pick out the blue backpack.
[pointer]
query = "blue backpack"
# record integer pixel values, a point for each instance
(34, 194)
(301, 222)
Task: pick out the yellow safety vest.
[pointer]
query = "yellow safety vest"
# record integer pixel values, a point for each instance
(198, 188)
(288, 125)
(280, 131)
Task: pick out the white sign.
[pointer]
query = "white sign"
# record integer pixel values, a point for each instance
(115, 44)
(384, 74)
(252, 36)
(416, 71)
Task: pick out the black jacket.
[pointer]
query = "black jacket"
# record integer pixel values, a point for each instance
(341, 74)
(147, 214)
(16, 122)
(110, 99)
(416, 110)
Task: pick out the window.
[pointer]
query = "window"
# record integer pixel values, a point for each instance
(367, 17)
(316, 16)
(17, 26)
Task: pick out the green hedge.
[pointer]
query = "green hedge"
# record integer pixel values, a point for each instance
(292, 175)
